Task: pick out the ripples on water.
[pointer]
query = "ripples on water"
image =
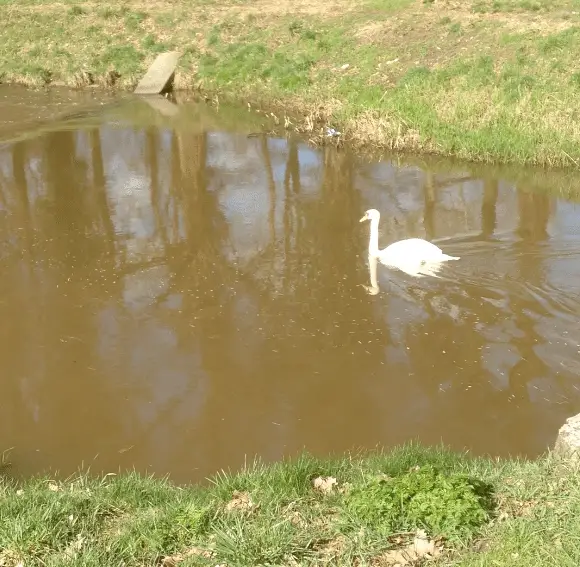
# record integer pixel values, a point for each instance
(177, 299)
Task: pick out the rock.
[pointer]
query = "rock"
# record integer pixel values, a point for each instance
(568, 440)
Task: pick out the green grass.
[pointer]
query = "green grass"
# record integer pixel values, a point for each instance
(353, 511)
(484, 80)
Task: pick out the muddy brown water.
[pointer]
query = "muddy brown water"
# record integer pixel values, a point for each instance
(178, 297)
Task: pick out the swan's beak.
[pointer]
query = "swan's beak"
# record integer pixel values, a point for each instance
(363, 219)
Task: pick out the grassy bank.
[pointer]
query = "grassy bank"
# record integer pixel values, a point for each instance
(412, 505)
(487, 80)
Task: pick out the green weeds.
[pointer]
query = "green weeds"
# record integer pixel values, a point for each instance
(449, 505)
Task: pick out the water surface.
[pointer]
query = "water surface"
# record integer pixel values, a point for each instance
(179, 297)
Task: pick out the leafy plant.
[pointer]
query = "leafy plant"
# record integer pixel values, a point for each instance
(452, 505)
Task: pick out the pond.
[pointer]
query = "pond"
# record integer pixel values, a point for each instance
(179, 297)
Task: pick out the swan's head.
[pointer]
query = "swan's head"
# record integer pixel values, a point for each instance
(371, 214)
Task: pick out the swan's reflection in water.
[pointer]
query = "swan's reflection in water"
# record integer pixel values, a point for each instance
(373, 288)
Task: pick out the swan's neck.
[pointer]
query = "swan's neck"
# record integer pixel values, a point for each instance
(374, 238)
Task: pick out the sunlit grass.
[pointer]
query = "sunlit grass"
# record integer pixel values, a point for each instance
(480, 512)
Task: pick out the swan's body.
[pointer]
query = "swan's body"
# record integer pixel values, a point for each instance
(412, 255)
(412, 249)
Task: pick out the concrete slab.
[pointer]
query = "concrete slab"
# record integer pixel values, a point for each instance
(160, 74)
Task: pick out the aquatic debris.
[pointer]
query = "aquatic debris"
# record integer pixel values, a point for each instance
(332, 133)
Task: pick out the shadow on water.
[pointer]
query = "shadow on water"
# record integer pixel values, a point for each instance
(177, 296)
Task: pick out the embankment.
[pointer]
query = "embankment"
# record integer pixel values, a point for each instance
(483, 80)
(401, 507)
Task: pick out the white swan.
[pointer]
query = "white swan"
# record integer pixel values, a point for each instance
(414, 256)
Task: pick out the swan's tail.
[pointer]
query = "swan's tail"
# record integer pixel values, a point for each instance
(446, 258)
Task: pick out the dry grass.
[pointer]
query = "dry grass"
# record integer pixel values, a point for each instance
(483, 80)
